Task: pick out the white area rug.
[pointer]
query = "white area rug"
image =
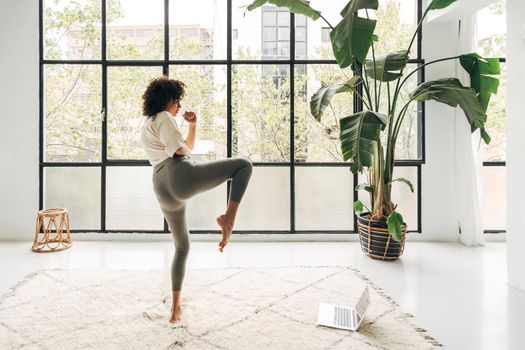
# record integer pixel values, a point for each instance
(255, 308)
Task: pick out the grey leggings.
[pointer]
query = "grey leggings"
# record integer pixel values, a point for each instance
(175, 180)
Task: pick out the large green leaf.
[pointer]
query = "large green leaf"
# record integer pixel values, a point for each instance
(349, 85)
(358, 207)
(482, 71)
(363, 186)
(359, 134)
(395, 225)
(353, 35)
(451, 92)
(440, 4)
(406, 182)
(387, 67)
(300, 7)
(321, 99)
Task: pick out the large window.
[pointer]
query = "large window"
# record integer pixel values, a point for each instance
(491, 42)
(249, 78)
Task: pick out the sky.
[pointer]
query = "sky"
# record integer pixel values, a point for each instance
(489, 24)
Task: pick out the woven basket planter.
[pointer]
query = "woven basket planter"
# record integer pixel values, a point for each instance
(375, 240)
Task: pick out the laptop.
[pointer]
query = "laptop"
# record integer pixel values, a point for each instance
(344, 317)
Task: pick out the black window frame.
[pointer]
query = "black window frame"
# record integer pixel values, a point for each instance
(165, 63)
(496, 164)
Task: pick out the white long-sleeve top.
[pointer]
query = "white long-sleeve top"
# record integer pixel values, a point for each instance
(161, 137)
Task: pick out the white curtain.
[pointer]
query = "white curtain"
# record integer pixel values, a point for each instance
(468, 162)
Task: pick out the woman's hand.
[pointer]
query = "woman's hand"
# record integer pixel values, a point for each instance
(190, 117)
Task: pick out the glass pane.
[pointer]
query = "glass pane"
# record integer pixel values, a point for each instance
(72, 29)
(261, 112)
(319, 141)
(284, 34)
(491, 30)
(494, 198)
(317, 189)
(198, 29)
(255, 27)
(283, 48)
(497, 123)
(410, 136)
(124, 116)
(135, 29)
(300, 50)
(72, 118)
(405, 200)
(130, 200)
(300, 34)
(316, 48)
(266, 203)
(283, 18)
(269, 18)
(269, 48)
(300, 20)
(78, 190)
(396, 23)
(269, 33)
(203, 209)
(205, 94)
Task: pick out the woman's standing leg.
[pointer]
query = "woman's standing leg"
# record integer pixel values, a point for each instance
(179, 231)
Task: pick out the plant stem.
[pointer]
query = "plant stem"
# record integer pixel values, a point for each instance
(376, 100)
(417, 29)
(389, 148)
(359, 95)
(396, 91)
(358, 68)
(424, 65)
(332, 28)
(388, 95)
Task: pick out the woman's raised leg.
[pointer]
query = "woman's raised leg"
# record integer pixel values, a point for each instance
(205, 176)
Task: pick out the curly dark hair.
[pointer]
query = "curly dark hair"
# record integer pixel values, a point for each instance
(159, 93)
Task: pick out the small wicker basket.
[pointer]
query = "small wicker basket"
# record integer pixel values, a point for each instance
(375, 240)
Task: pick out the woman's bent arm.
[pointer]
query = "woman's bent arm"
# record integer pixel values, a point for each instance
(190, 139)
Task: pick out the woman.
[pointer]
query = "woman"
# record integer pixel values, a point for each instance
(176, 178)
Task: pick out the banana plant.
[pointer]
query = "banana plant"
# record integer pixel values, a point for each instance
(360, 133)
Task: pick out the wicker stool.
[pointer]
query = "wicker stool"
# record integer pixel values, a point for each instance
(58, 242)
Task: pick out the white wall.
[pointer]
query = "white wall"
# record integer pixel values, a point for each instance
(515, 142)
(438, 196)
(19, 140)
(19, 113)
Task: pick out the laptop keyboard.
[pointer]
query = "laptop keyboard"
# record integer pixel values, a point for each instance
(342, 316)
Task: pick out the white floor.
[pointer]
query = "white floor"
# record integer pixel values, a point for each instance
(458, 294)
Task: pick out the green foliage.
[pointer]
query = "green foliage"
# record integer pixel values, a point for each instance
(353, 36)
(395, 225)
(321, 99)
(440, 4)
(301, 7)
(388, 67)
(405, 181)
(260, 129)
(359, 135)
(451, 92)
(363, 186)
(358, 207)
(482, 73)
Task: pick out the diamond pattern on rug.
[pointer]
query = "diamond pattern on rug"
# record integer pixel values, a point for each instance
(233, 308)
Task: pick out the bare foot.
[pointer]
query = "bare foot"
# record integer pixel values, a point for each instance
(175, 316)
(226, 225)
